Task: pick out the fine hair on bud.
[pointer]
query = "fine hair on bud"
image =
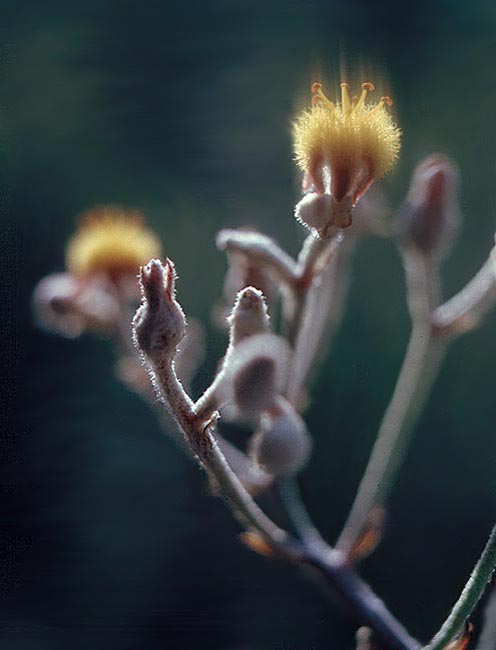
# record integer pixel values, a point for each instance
(159, 323)
(249, 315)
(429, 217)
(254, 375)
(322, 214)
(282, 444)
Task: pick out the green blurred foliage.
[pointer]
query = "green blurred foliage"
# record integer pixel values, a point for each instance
(184, 110)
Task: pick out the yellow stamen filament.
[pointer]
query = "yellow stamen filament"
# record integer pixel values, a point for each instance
(385, 99)
(367, 86)
(318, 96)
(345, 98)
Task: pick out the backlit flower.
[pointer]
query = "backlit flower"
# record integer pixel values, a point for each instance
(110, 241)
(342, 147)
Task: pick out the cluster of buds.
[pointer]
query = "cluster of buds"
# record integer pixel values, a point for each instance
(341, 147)
(250, 384)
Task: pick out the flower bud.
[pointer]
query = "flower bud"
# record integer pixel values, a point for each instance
(429, 217)
(70, 306)
(159, 324)
(249, 315)
(254, 374)
(261, 251)
(242, 271)
(323, 214)
(282, 444)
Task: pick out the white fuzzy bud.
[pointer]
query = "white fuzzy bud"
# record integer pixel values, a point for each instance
(282, 444)
(322, 214)
(249, 315)
(254, 375)
(159, 324)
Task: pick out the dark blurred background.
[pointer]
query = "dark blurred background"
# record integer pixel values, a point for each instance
(109, 536)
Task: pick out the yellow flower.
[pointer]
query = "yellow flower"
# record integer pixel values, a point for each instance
(343, 147)
(112, 241)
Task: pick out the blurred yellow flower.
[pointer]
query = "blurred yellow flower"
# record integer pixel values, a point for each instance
(343, 147)
(112, 241)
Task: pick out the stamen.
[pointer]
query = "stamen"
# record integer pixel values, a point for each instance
(319, 96)
(383, 100)
(345, 98)
(366, 86)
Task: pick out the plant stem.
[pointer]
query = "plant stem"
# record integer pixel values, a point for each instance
(366, 605)
(418, 372)
(463, 311)
(419, 369)
(469, 597)
(367, 608)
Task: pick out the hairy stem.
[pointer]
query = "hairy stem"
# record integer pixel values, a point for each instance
(469, 597)
(366, 607)
(202, 441)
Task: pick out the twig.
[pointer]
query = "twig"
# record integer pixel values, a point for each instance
(462, 312)
(418, 372)
(369, 609)
(469, 597)
(159, 326)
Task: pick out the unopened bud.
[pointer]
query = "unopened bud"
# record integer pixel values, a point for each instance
(254, 374)
(261, 251)
(70, 306)
(429, 217)
(282, 445)
(249, 315)
(159, 323)
(322, 214)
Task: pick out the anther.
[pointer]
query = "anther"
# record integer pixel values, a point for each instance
(387, 100)
(316, 86)
(367, 85)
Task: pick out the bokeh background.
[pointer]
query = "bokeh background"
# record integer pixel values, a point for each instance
(109, 536)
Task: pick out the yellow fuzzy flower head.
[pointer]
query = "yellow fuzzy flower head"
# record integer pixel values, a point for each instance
(342, 147)
(111, 241)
